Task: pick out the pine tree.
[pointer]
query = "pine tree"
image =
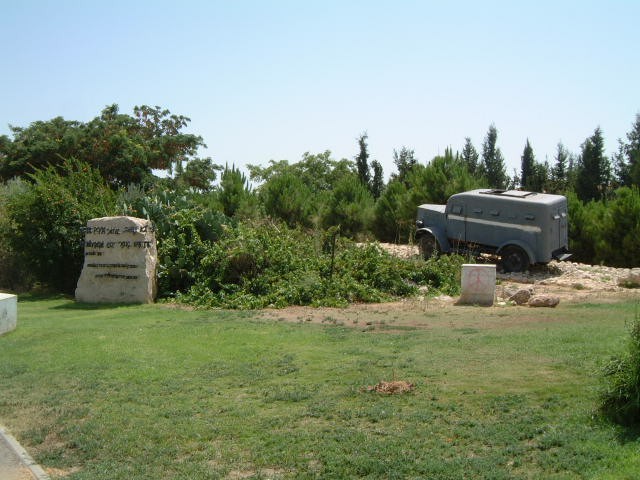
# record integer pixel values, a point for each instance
(362, 160)
(627, 160)
(527, 167)
(492, 166)
(594, 169)
(560, 170)
(404, 160)
(470, 156)
(377, 182)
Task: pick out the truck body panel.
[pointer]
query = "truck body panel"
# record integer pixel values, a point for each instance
(490, 220)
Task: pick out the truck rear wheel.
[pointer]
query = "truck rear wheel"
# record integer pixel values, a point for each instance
(514, 259)
(428, 246)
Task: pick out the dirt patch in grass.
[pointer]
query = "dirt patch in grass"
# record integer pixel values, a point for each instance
(394, 387)
(573, 283)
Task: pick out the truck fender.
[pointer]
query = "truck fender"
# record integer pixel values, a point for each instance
(443, 242)
(523, 246)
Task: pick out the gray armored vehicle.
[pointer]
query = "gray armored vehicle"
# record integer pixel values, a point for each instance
(523, 228)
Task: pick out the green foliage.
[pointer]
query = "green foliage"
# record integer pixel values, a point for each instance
(628, 157)
(14, 276)
(560, 172)
(620, 399)
(606, 231)
(377, 181)
(470, 156)
(288, 198)
(492, 165)
(594, 169)
(46, 221)
(350, 206)
(299, 193)
(618, 238)
(235, 194)
(395, 210)
(404, 161)
(362, 160)
(272, 265)
(199, 173)
(124, 148)
(394, 213)
(185, 233)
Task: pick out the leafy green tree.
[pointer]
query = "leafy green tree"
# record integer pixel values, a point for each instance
(124, 148)
(362, 160)
(199, 173)
(48, 217)
(318, 171)
(594, 169)
(492, 166)
(470, 156)
(404, 160)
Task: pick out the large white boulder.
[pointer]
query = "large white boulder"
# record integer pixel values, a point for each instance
(120, 259)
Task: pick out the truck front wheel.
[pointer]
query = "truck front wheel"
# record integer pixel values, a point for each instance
(428, 246)
(514, 259)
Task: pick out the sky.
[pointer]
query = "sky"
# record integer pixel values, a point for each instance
(273, 79)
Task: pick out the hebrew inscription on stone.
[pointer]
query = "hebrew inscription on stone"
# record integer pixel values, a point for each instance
(120, 261)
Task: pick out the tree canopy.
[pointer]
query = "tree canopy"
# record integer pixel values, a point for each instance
(123, 148)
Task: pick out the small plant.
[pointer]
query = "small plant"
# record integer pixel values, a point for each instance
(620, 400)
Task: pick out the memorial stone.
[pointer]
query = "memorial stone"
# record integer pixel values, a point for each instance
(478, 284)
(120, 261)
(8, 312)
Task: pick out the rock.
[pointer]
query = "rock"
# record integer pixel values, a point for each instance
(120, 261)
(544, 301)
(630, 280)
(521, 296)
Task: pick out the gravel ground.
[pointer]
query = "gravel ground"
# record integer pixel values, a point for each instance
(567, 280)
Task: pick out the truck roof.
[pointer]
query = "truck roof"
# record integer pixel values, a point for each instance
(519, 196)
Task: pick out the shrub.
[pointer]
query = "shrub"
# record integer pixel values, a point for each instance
(13, 274)
(270, 265)
(620, 399)
(47, 219)
(185, 232)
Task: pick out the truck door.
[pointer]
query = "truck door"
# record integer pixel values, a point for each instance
(456, 223)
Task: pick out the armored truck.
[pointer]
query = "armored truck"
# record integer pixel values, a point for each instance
(522, 228)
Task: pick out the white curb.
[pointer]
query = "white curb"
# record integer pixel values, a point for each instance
(21, 453)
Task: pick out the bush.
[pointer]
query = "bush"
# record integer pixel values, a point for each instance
(620, 400)
(46, 221)
(270, 265)
(185, 232)
(14, 276)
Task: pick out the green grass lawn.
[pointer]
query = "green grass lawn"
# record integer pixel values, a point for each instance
(150, 392)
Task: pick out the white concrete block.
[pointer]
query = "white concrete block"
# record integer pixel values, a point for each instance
(478, 284)
(8, 312)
